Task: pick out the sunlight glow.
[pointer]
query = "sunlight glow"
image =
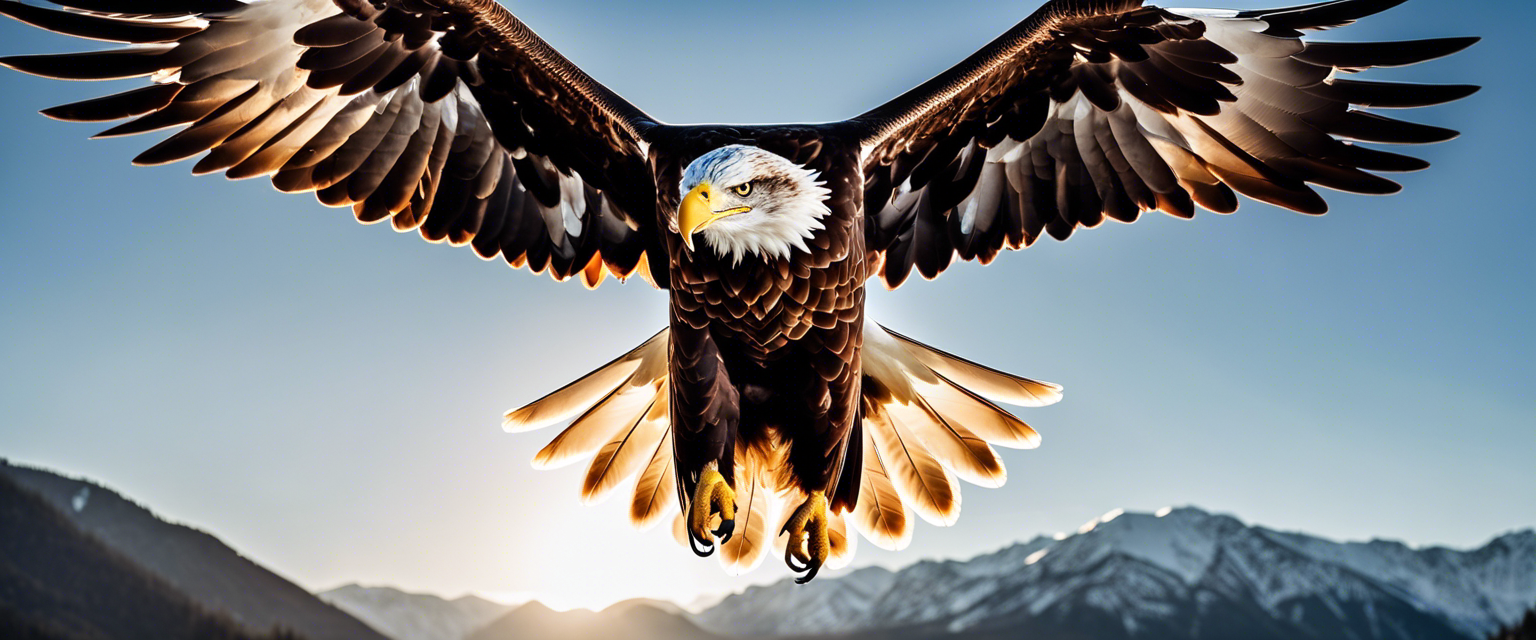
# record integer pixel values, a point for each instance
(553, 600)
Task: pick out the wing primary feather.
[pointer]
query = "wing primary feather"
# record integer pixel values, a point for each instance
(920, 479)
(117, 106)
(1360, 55)
(653, 486)
(1369, 127)
(880, 515)
(623, 455)
(113, 64)
(93, 27)
(984, 380)
(573, 398)
(1336, 13)
(1392, 95)
(954, 446)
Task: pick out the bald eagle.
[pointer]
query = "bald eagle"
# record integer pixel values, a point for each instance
(770, 407)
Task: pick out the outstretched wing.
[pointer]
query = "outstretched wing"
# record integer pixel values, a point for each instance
(1104, 109)
(446, 117)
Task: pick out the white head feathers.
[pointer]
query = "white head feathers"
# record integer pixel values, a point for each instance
(787, 202)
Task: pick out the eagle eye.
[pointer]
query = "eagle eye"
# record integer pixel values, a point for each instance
(744, 189)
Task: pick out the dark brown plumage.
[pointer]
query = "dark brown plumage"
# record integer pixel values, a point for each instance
(452, 119)
(932, 137)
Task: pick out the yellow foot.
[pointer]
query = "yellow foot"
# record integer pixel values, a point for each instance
(710, 498)
(808, 539)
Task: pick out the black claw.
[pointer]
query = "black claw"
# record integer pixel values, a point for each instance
(809, 576)
(693, 543)
(727, 527)
(790, 560)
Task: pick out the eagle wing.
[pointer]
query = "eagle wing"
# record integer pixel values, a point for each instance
(1103, 109)
(445, 117)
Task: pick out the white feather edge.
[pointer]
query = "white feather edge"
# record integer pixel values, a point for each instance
(614, 414)
(985, 381)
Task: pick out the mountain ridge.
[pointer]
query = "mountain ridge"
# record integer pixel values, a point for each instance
(1138, 574)
(417, 616)
(1172, 575)
(1177, 574)
(193, 562)
(60, 583)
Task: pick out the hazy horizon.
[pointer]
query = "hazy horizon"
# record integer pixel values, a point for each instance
(519, 598)
(326, 397)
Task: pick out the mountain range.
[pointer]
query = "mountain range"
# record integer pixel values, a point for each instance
(1180, 573)
(417, 616)
(1176, 574)
(74, 554)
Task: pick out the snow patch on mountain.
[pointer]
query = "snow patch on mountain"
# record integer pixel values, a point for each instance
(1477, 590)
(79, 500)
(822, 606)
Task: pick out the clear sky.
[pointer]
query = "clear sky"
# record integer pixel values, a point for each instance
(326, 397)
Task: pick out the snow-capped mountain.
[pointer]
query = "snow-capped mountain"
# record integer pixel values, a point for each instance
(1181, 573)
(1476, 589)
(414, 616)
(816, 607)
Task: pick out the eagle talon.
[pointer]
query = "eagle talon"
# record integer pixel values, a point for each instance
(711, 497)
(808, 543)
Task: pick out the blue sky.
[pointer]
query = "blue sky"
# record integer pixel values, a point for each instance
(326, 397)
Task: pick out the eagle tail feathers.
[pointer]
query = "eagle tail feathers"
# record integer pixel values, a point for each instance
(931, 418)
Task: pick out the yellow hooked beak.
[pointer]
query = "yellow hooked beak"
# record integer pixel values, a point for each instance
(695, 212)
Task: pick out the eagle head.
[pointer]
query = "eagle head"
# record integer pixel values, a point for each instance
(744, 200)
